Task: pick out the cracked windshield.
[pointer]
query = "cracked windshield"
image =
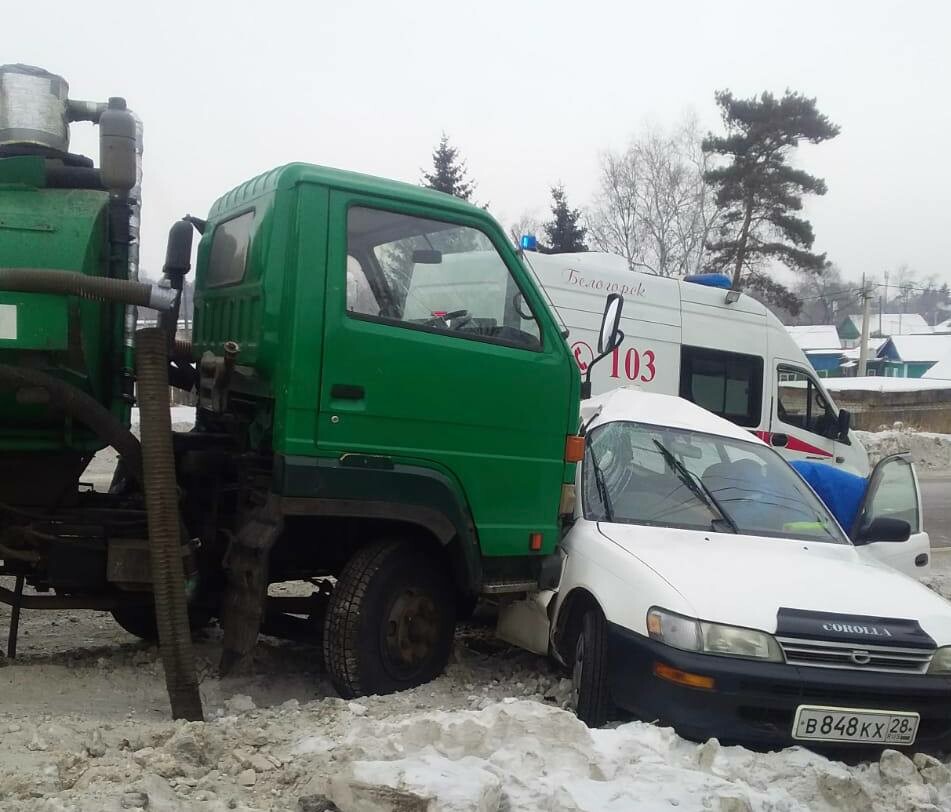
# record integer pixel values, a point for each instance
(641, 474)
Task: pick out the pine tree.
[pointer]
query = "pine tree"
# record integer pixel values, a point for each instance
(758, 191)
(449, 172)
(563, 233)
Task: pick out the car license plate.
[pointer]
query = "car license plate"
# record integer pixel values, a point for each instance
(818, 723)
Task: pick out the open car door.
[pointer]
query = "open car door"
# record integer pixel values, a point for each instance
(893, 493)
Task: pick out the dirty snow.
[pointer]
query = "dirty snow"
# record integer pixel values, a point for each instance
(84, 723)
(929, 451)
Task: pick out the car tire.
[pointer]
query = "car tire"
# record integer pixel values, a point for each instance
(390, 620)
(589, 670)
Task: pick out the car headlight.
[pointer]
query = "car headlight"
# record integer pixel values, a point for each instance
(711, 638)
(673, 629)
(941, 662)
(736, 642)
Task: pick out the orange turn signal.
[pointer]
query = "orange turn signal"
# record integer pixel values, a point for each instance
(679, 677)
(535, 542)
(574, 448)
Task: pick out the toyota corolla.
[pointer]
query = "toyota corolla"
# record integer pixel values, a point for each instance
(706, 586)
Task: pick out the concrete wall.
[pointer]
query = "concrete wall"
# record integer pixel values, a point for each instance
(925, 410)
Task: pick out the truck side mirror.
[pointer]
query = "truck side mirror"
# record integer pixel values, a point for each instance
(844, 424)
(609, 338)
(883, 528)
(610, 335)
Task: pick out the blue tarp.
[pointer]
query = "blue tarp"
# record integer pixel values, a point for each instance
(841, 491)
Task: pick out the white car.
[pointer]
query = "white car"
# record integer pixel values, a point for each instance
(705, 585)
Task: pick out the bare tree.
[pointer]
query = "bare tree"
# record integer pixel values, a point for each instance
(653, 207)
(613, 219)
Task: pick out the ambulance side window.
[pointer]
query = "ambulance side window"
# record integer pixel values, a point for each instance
(800, 403)
(729, 384)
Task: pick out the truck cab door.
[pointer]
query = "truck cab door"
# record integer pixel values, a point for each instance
(893, 493)
(438, 353)
(803, 424)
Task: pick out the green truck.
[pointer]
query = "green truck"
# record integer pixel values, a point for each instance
(405, 448)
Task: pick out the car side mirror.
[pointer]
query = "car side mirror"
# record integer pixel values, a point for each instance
(883, 528)
(844, 424)
(609, 337)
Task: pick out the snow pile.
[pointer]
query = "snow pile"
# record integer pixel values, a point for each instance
(928, 450)
(183, 418)
(883, 384)
(514, 754)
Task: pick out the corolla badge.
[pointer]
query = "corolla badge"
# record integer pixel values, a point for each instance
(854, 628)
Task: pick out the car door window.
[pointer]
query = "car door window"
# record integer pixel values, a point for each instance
(892, 494)
(800, 403)
(436, 276)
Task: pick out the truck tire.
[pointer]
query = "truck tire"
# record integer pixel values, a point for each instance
(390, 621)
(589, 670)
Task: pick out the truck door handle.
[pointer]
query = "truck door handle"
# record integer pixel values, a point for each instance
(780, 440)
(347, 391)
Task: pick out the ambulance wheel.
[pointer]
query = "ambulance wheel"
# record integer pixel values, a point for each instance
(390, 620)
(589, 670)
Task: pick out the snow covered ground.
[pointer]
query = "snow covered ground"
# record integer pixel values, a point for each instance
(85, 727)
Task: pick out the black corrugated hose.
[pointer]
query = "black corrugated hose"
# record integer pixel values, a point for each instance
(165, 543)
(83, 407)
(44, 280)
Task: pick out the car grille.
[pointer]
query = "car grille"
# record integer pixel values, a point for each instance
(854, 656)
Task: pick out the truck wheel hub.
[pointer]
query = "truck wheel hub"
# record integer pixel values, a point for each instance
(412, 629)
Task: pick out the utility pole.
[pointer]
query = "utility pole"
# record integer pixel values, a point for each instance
(863, 347)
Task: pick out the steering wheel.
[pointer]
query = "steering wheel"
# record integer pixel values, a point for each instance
(445, 319)
(517, 301)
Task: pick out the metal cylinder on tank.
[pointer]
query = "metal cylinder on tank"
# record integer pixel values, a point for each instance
(33, 110)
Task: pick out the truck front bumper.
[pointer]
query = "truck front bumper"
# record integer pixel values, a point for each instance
(754, 703)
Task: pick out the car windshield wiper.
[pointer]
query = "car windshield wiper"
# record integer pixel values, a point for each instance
(697, 488)
(602, 487)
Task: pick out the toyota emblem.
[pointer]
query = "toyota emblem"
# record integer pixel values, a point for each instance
(860, 657)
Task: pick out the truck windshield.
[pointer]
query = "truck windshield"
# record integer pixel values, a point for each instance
(636, 473)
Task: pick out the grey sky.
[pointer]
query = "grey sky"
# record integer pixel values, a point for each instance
(529, 92)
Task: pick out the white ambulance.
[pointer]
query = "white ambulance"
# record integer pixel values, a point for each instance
(718, 348)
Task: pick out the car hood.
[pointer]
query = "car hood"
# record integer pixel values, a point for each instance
(745, 580)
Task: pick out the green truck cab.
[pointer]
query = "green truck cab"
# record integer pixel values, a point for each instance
(386, 406)
(413, 436)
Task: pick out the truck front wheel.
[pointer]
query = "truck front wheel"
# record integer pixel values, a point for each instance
(390, 620)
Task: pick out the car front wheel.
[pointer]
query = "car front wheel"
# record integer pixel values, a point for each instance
(589, 670)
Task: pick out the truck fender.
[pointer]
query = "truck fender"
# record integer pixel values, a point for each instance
(368, 487)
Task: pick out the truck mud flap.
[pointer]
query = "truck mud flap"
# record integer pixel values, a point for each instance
(246, 565)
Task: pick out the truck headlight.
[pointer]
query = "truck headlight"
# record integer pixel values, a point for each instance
(941, 662)
(711, 638)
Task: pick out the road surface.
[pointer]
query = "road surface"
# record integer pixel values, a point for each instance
(936, 507)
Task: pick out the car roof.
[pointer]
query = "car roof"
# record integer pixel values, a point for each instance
(632, 404)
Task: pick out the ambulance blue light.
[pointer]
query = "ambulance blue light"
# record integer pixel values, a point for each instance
(528, 242)
(711, 280)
